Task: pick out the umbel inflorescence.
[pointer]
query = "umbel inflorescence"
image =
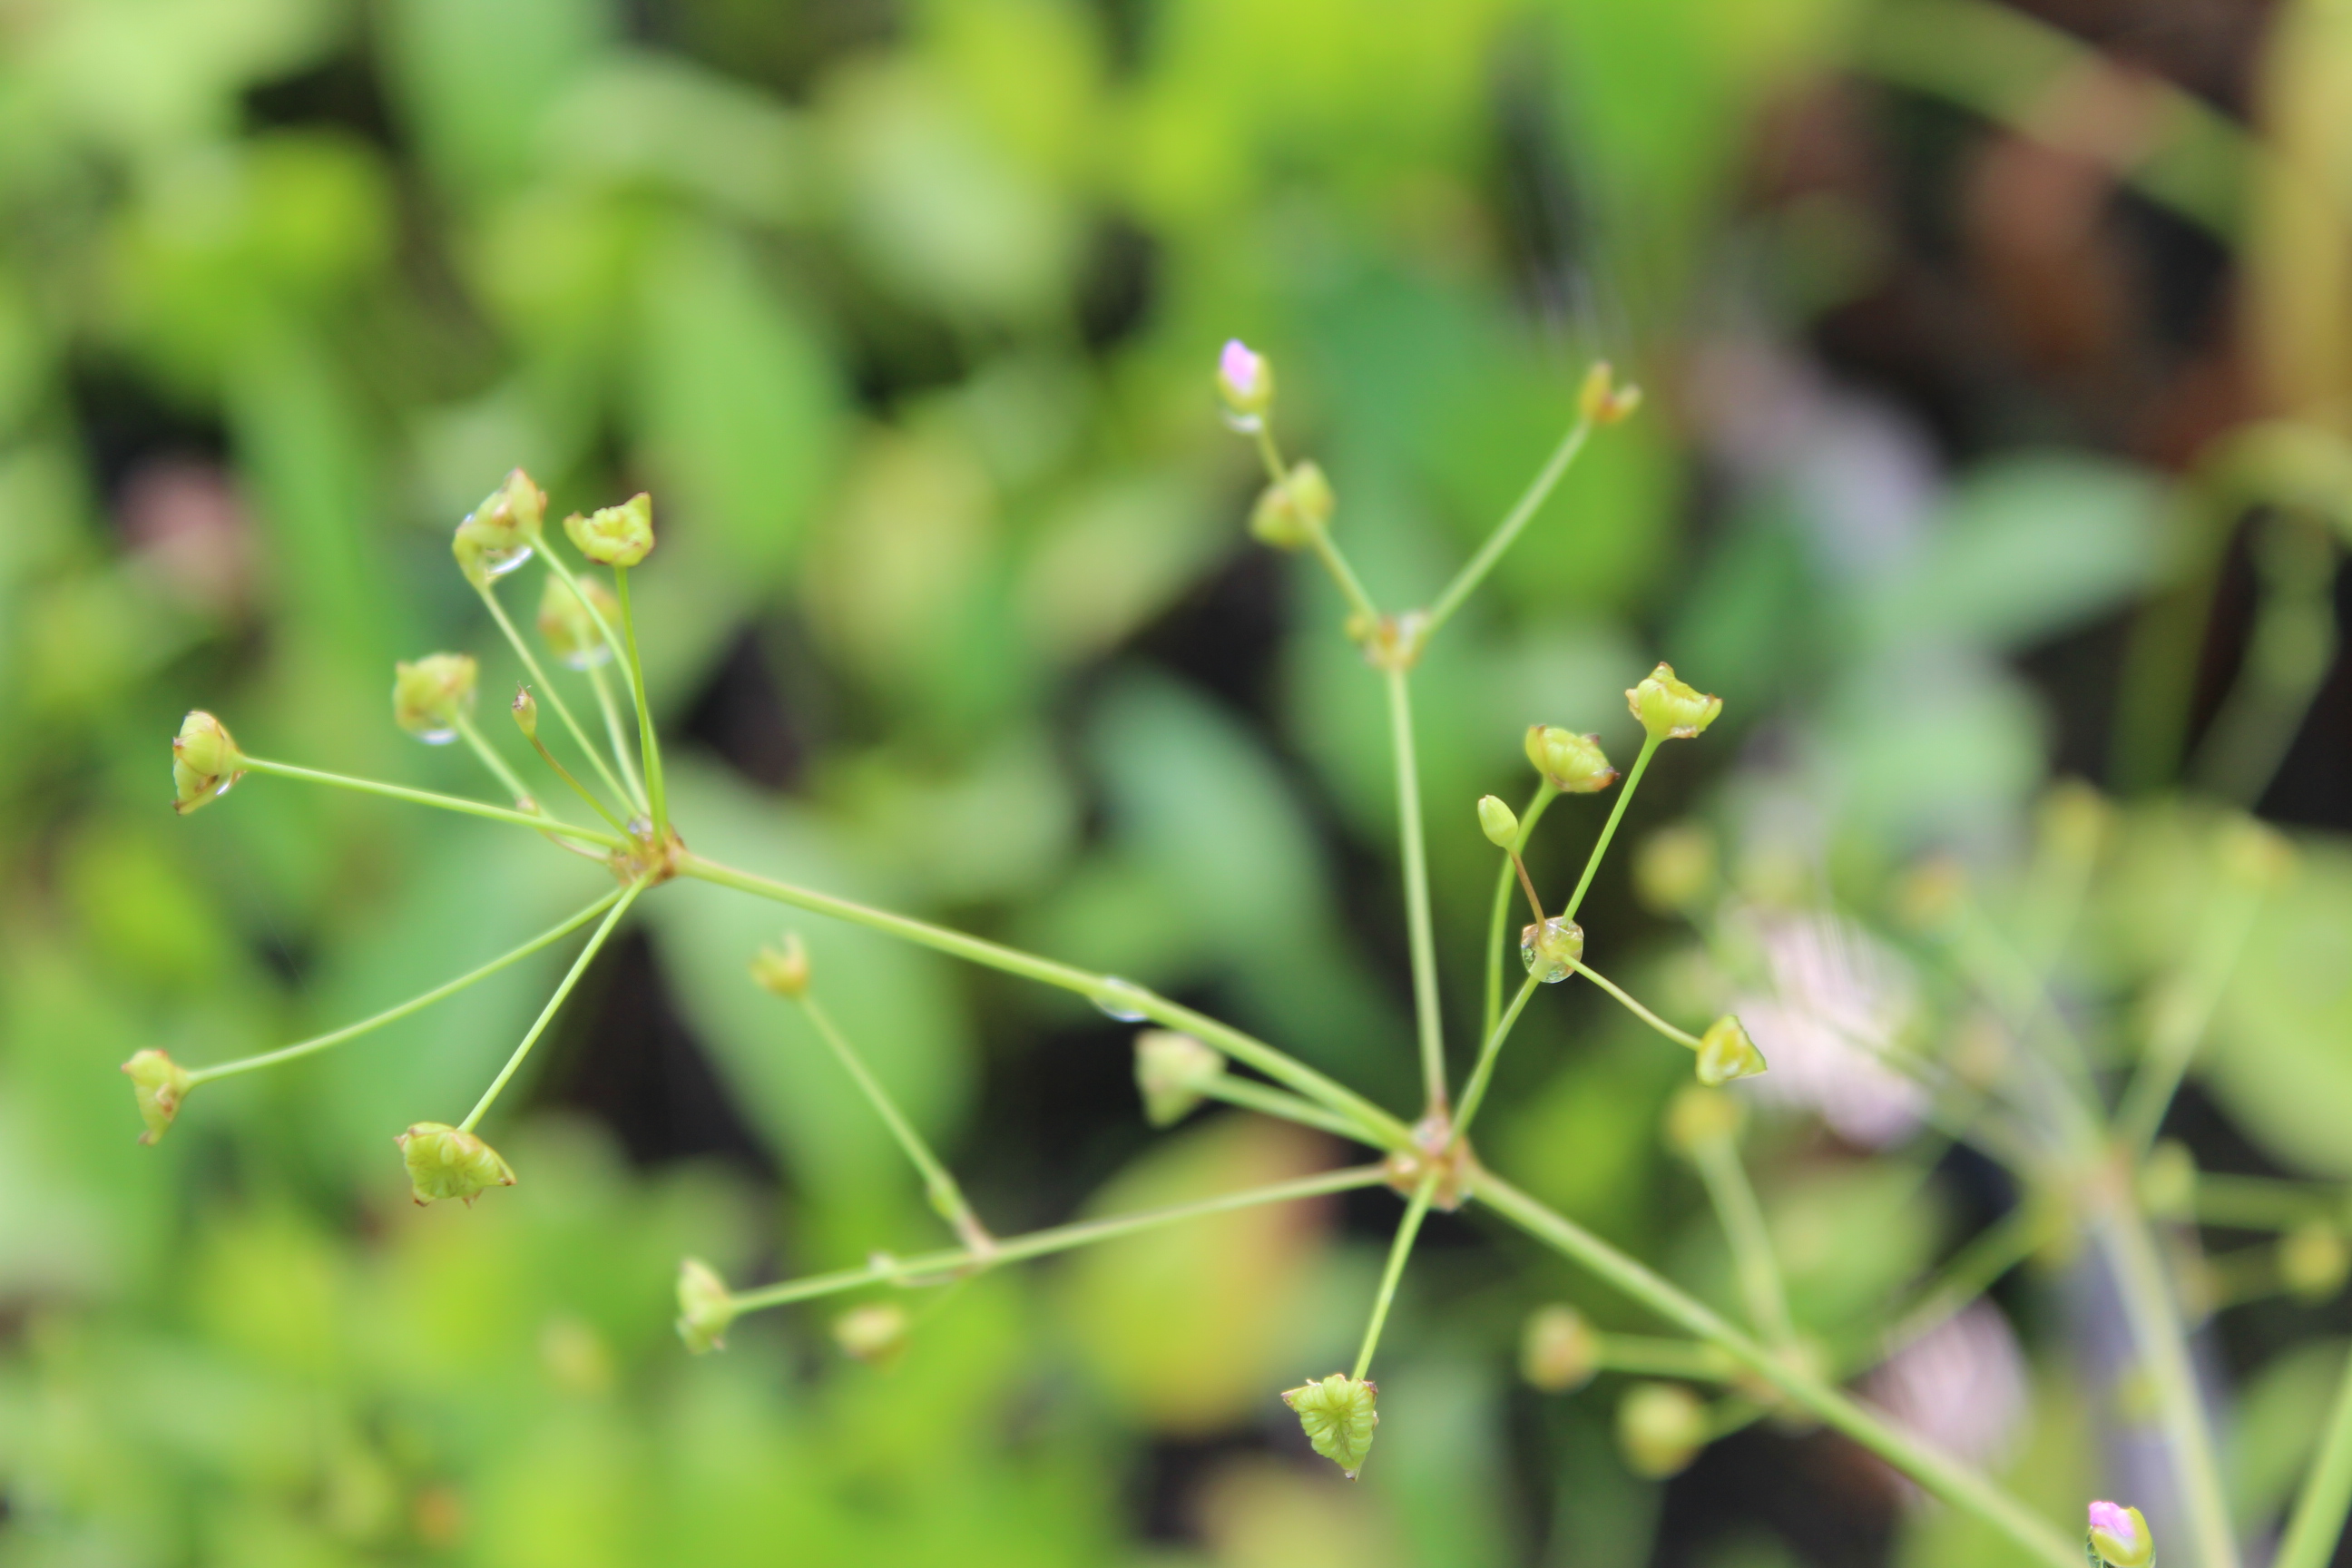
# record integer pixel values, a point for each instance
(608, 804)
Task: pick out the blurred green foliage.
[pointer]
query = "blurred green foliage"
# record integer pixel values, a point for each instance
(904, 312)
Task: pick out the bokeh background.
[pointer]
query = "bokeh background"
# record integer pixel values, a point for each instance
(1998, 358)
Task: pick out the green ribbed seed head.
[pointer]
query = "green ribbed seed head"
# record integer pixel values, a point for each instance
(1670, 708)
(706, 1309)
(445, 1161)
(1726, 1053)
(204, 761)
(1172, 1071)
(1338, 1415)
(619, 535)
(160, 1084)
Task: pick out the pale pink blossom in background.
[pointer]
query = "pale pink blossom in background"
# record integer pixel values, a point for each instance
(1833, 1001)
(1961, 1385)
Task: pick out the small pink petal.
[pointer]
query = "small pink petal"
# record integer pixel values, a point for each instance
(2112, 1519)
(1239, 366)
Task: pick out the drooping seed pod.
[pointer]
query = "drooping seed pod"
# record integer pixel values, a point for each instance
(706, 1308)
(1573, 764)
(569, 630)
(204, 761)
(784, 968)
(430, 696)
(1173, 1072)
(1661, 1427)
(499, 534)
(1338, 1415)
(1558, 1352)
(1726, 1053)
(619, 535)
(445, 1161)
(160, 1084)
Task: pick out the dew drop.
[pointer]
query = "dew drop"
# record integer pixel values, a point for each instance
(498, 562)
(1120, 999)
(590, 657)
(441, 737)
(1551, 950)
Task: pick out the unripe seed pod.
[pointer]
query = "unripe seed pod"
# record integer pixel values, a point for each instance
(1339, 1415)
(445, 1161)
(499, 535)
(705, 1307)
(526, 712)
(1498, 821)
(619, 535)
(784, 969)
(430, 696)
(566, 626)
(1669, 708)
(1558, 1352)
(1291, 512)
(204, 761)
(1173, 1072)
(874, 1333)
(160, 1084)
(1726, 1053)
(1661, 1427)
(1573, 764)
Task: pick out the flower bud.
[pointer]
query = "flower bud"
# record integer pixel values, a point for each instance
(1570, 762)
(874, 1333)
(567, 627)
(1698, 1116)
(1338, 1416)
(497, 535)
(1173, 1072)
(619, 535)
(1661, 1427)
(204, 761)
(526, 712)
(1245, 380)
(1675, 869)
(1670, 709)
(1291, 512)
(2119, 1537)
(1498, 821)
(1558, 1352)
(2167, 1182)
(1600, 401)
(705, 1307)
(429, 697)
(1726, 1053)
(445, 1161)
(784, 968)
(2313, 1262)
(1551, 950)
(160, 1084)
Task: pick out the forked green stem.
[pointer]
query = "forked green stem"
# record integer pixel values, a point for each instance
(554, 698)
(414, 1004)
(1420, 939)
(657, 801)
(1473, 1094)
(547, 1013)
(1060, 1238)
(1473, 571)
(1498, 921)
(1386, 1131)
(2317, 1523)
(426, 797)
(1609, 830)
(1267, 1101)
(1945, 1478)
(1399, 1250)
(1683, 1037)
(939, 1185)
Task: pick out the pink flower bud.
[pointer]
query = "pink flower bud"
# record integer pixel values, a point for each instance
(1245, 379)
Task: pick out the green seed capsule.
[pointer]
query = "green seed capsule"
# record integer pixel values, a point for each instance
(1338, 1418)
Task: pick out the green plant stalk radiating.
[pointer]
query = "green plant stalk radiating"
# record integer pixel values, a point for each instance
(554, 698)
(945, 1194)
(1060, 1238)
(2317, 1523)
(1945, 1478)
(1399, 1250)
(617, 734)
(622, 650)
(1473, 571)
(1608, 829)
(1419, 937)
(1498, 920)
(426, 797)
(416, 1004)
(491, 760)
(1475, 1094)
(647, 747)
(547, 1013)
(1735, 1209)
(2184, 1014)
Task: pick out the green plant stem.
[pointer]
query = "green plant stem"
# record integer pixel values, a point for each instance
(1423, 942)
(1970, 1273)
(1650, 745)
(1060, 1238)
(2316, 1524)
(617, 734)
(1399, 1250)
(1387, 1131)
(426, 797)
(1352, 587)
(547, 1013)
(1475, 1094)
(415, 1004)
(1268, 1100)
(2157, 1331)
(496, 763)
(2261, 1203)
(1498, 921)
(2287, 660)
(1473, 571)
(1683, 1037)
(613, 640)
(945, 1194)
(1947, 1479)
(1742, 1218)
(1651, 1355)
(657, 801)
(2183, 1014)
(577, 787)
(554, 698)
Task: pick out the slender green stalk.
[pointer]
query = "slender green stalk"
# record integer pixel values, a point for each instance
(414, 1004)
(2183, 1014)
(617, 734)
(578, 788)
(1475, 1093)
(611, 640)
(1498, 923)
(656, 800)
(547, 1013)
(1416, 891)
(496, 763)
(554, 698)
(2287, 660)
(1060, 1238)
(1465, 582)
(945, 1194)
(2261, 1203)
(1742, 1218)
(2316, 1525)
(1650, 1355)
(1352, 587)
(426, 797)
(1945, 1478)
(1399, 1250)
(1971, 1272)
(1650, 745)
(1268, 1100)
(1387, 1131)
(2157, 1329)
(1683, 1037)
